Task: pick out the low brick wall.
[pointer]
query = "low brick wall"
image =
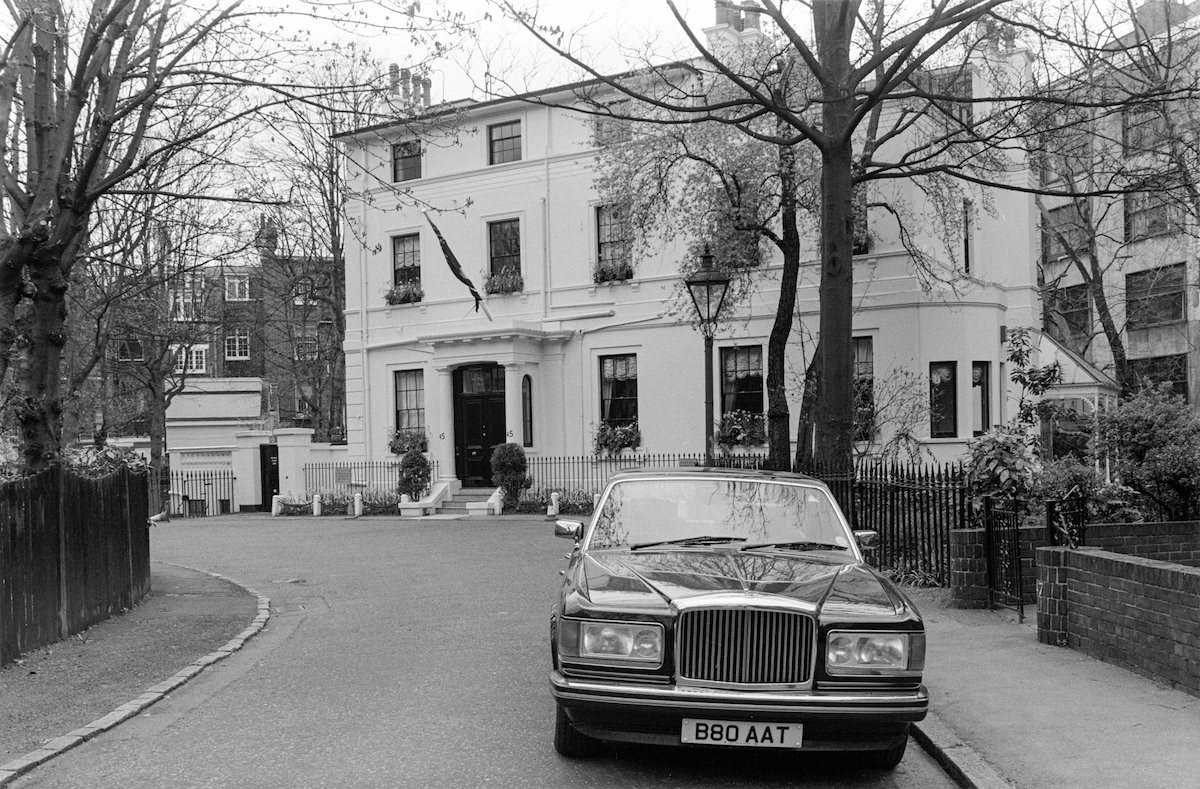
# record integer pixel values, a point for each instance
(969, 572)
(1177, 542)
(1140, 613)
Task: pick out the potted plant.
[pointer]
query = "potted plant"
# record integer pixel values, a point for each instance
(414, 475)
(509, 469)
(612, 438)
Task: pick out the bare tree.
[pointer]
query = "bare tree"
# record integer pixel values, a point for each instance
(883, 92)
(86, 106)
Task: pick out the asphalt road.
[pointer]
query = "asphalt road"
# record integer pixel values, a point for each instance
(399, 654)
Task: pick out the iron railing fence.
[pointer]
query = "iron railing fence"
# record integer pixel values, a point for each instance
(194, 493)
(586, 475)
(357, 477)
(912, 507)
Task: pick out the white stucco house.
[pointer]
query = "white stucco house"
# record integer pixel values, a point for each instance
(557, 353)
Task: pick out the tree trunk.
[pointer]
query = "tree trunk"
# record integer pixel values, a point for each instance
(835, 403)
(38, 381)
(778, 429)
(805, 449)
(833, 22)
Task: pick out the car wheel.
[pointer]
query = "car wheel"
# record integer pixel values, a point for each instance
(887, 759)
(568, 741)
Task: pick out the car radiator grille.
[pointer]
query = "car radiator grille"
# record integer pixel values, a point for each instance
(745, 647)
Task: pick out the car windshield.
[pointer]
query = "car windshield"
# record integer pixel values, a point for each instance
(643, 512)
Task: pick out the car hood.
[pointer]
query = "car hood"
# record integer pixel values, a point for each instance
(663, 579)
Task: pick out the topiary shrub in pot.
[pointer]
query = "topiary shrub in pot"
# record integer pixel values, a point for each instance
(414, 475)
(509, 472)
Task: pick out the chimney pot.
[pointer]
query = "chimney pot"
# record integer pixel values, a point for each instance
(393, 79)
(404, 84)
(426, 85)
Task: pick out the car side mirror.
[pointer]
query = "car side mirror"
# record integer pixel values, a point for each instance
(571, 529)
(867, 540)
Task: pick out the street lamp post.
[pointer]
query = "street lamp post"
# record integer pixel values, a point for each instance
(708, 287)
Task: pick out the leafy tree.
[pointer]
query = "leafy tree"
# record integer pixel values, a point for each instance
(1004, 460)
(1153, 442)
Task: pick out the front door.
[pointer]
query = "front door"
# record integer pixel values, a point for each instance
(268, 474)
(478, 422)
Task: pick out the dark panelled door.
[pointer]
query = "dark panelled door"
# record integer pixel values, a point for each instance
(478, 421)
(268, 469)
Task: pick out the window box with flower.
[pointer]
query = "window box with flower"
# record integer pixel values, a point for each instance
(612, 271)
(506, 280)
(406, 438)
(741, 429)
(612, 438)
(404, 293)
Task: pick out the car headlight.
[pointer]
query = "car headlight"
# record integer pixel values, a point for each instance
(849, 652)
(636, 642)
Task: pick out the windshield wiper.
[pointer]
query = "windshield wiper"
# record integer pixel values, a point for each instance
(704, 539)
(803, 545)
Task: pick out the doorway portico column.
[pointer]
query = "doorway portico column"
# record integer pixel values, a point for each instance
(441, 428)
(512, 402)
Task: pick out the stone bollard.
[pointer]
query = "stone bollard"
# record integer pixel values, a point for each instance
(318, 504)
(552, 510)
(277, 505)
(358, 507)
(595, 501)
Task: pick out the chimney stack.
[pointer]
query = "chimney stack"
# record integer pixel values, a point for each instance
(393, 80)
(404, 77)
(1155, 16)
(416, 88)
(426, 85)
(726, 13)
(751, 14)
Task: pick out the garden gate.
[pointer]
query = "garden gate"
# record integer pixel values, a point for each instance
(1002, 540)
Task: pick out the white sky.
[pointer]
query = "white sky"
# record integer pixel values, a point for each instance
(609, 31)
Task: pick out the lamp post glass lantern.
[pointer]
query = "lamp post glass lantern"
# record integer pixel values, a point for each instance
(708, 288)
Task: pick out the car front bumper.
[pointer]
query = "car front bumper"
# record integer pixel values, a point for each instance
(629, 712)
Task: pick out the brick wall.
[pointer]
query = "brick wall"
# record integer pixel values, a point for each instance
(1177, 542)
(968, 566)
(1137, 612)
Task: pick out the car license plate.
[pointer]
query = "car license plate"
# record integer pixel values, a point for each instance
(741, 733)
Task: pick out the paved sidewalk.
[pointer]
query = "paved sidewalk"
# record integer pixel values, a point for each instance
(1010, 711)
(65, 694)
(1007, 711)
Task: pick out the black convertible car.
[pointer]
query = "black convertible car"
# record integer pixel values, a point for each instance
(716, 607)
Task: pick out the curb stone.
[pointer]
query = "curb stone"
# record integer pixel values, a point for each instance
(15, 768)
(960, 761)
